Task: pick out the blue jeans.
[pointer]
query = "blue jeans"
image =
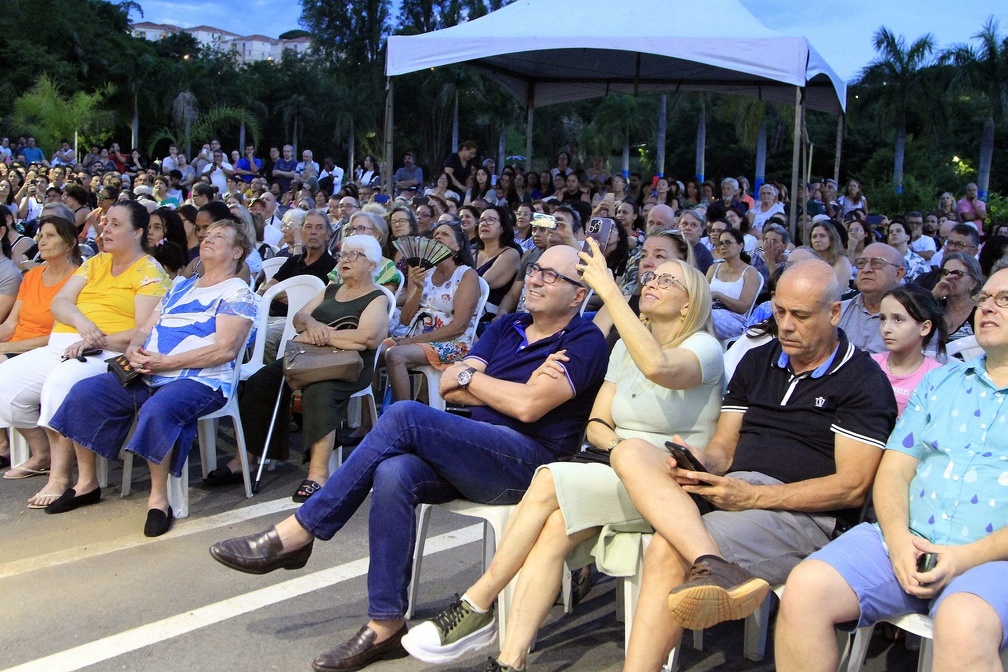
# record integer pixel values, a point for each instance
(413, 455)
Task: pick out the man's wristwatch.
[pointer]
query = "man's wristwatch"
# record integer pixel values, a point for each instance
(465, 377)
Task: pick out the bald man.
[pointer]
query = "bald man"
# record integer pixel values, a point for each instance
(880, 268)
(417, 454)
(800, 436)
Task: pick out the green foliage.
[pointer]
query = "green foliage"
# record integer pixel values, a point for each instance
(50, 115)
(350, 32)
(997, 208)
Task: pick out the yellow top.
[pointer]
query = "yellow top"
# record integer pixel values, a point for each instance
(109, 300)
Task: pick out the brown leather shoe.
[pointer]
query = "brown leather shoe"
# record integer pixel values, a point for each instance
(716, 591)
(360, 651)
(260, 553)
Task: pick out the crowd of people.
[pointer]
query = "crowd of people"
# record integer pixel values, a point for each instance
(579, 321)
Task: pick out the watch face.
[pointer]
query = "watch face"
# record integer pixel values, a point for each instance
(464, 377)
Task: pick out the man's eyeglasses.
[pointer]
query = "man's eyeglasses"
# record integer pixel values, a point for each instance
(956, 245)
(955, 274)
(1000, 299)
(876, 263)
(664, 281)
(549, 276)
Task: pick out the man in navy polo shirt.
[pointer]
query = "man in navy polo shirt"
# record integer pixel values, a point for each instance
(801, 433)
(416, 454)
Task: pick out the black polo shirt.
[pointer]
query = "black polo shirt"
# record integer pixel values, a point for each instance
(790, 421)
(296, 266)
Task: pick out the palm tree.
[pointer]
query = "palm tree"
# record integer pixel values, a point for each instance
(50, 115)
(984, 69)
(618, 118)
(900, 77)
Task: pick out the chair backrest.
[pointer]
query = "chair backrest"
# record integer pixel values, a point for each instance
(271, 266)
(299, 290)
(759, 288)
(484, 297)
(963, 348)
(392, 300)
(584, 304)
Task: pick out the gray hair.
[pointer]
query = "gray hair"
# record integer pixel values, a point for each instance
(369, 246)
(376, 221)
(294, 217)
(325, 218)
(971, 264)
(732, 181)
(779, 230)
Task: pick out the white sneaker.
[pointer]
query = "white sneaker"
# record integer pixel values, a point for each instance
(453, 633)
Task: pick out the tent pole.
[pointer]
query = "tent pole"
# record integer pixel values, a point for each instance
(701, 139)
(795, 159)
(841, 122)
(662, 108)
(530, 105)
(387, 169)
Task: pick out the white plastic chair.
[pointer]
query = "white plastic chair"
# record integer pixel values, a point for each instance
(178, 488)
(300, 289)
(917, 624)
(433, 375)
(963, 348)
(18, 447)
(336, 459)
(271, 266)
(727, 342)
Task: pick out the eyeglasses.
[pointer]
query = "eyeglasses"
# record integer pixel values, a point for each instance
(664, 281)
(360, 228)
(955, 274)
(1000, 299)
(549, 276)
(876, 263)
(956, 245)
(488, 220)
(400, 220)
(727, 243)
(351, 255)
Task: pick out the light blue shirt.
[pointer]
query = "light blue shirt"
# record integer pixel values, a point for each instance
(955, 425)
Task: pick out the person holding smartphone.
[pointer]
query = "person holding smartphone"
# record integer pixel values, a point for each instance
(664, 378)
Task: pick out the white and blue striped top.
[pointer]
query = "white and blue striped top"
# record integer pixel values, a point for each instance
(188, 320)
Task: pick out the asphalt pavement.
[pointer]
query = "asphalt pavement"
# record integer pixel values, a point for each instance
(86, 590)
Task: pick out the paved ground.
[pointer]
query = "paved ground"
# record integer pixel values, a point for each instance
(86, 591)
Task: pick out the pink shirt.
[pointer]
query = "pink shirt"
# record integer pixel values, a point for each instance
(975, 211)
(903, 386)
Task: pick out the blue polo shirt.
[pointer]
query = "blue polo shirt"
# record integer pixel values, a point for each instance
(790, 422)
(509, 356)
(955, 425)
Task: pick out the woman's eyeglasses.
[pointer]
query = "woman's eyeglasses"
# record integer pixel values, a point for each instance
(955, 274)
(664, 281)
(351, 255)
(549, 276)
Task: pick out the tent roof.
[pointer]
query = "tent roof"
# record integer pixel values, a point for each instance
(553, 52)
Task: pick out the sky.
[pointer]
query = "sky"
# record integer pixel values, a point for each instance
(840, 32)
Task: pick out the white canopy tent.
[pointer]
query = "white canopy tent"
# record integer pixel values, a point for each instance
(545, 52)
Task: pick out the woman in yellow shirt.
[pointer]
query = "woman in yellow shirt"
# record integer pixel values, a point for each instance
(96, 313)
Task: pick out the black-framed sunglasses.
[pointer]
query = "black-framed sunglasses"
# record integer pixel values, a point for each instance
(549, 276)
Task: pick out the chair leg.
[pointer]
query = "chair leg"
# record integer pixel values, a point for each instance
(859, 648)
(101, 468)
(19, 447)
(566, 589)
(206, 431)
(178, 492)
(423, 519)
(242, 452)
(756, 626)
(926, 655)
(127, 477)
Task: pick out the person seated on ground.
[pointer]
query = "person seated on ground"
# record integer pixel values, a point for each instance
(734, 285)
(97, 311)
(875, 572)
(960, 278)
(826, 409)
(30, 321)
(664, 378)
(661, 245)
(441, 309)
(313, 259)
(497, 256)
(186, 351)
(520, 420)
(350, 315)
(879, 269)
(912, 324)
(825, 241)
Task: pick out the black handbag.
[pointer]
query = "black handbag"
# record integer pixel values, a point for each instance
(124, 371)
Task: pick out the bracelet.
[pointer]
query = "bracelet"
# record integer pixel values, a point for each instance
(601, 422)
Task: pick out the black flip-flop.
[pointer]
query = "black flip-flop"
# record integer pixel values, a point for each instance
(305, 490)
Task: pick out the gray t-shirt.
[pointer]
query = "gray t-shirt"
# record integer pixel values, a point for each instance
(10, 277)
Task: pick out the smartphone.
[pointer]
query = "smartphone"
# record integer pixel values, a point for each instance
(381, 198)
(599, 228)
(926, 562)
(420, 200)
(874, 220)
(684, 458)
